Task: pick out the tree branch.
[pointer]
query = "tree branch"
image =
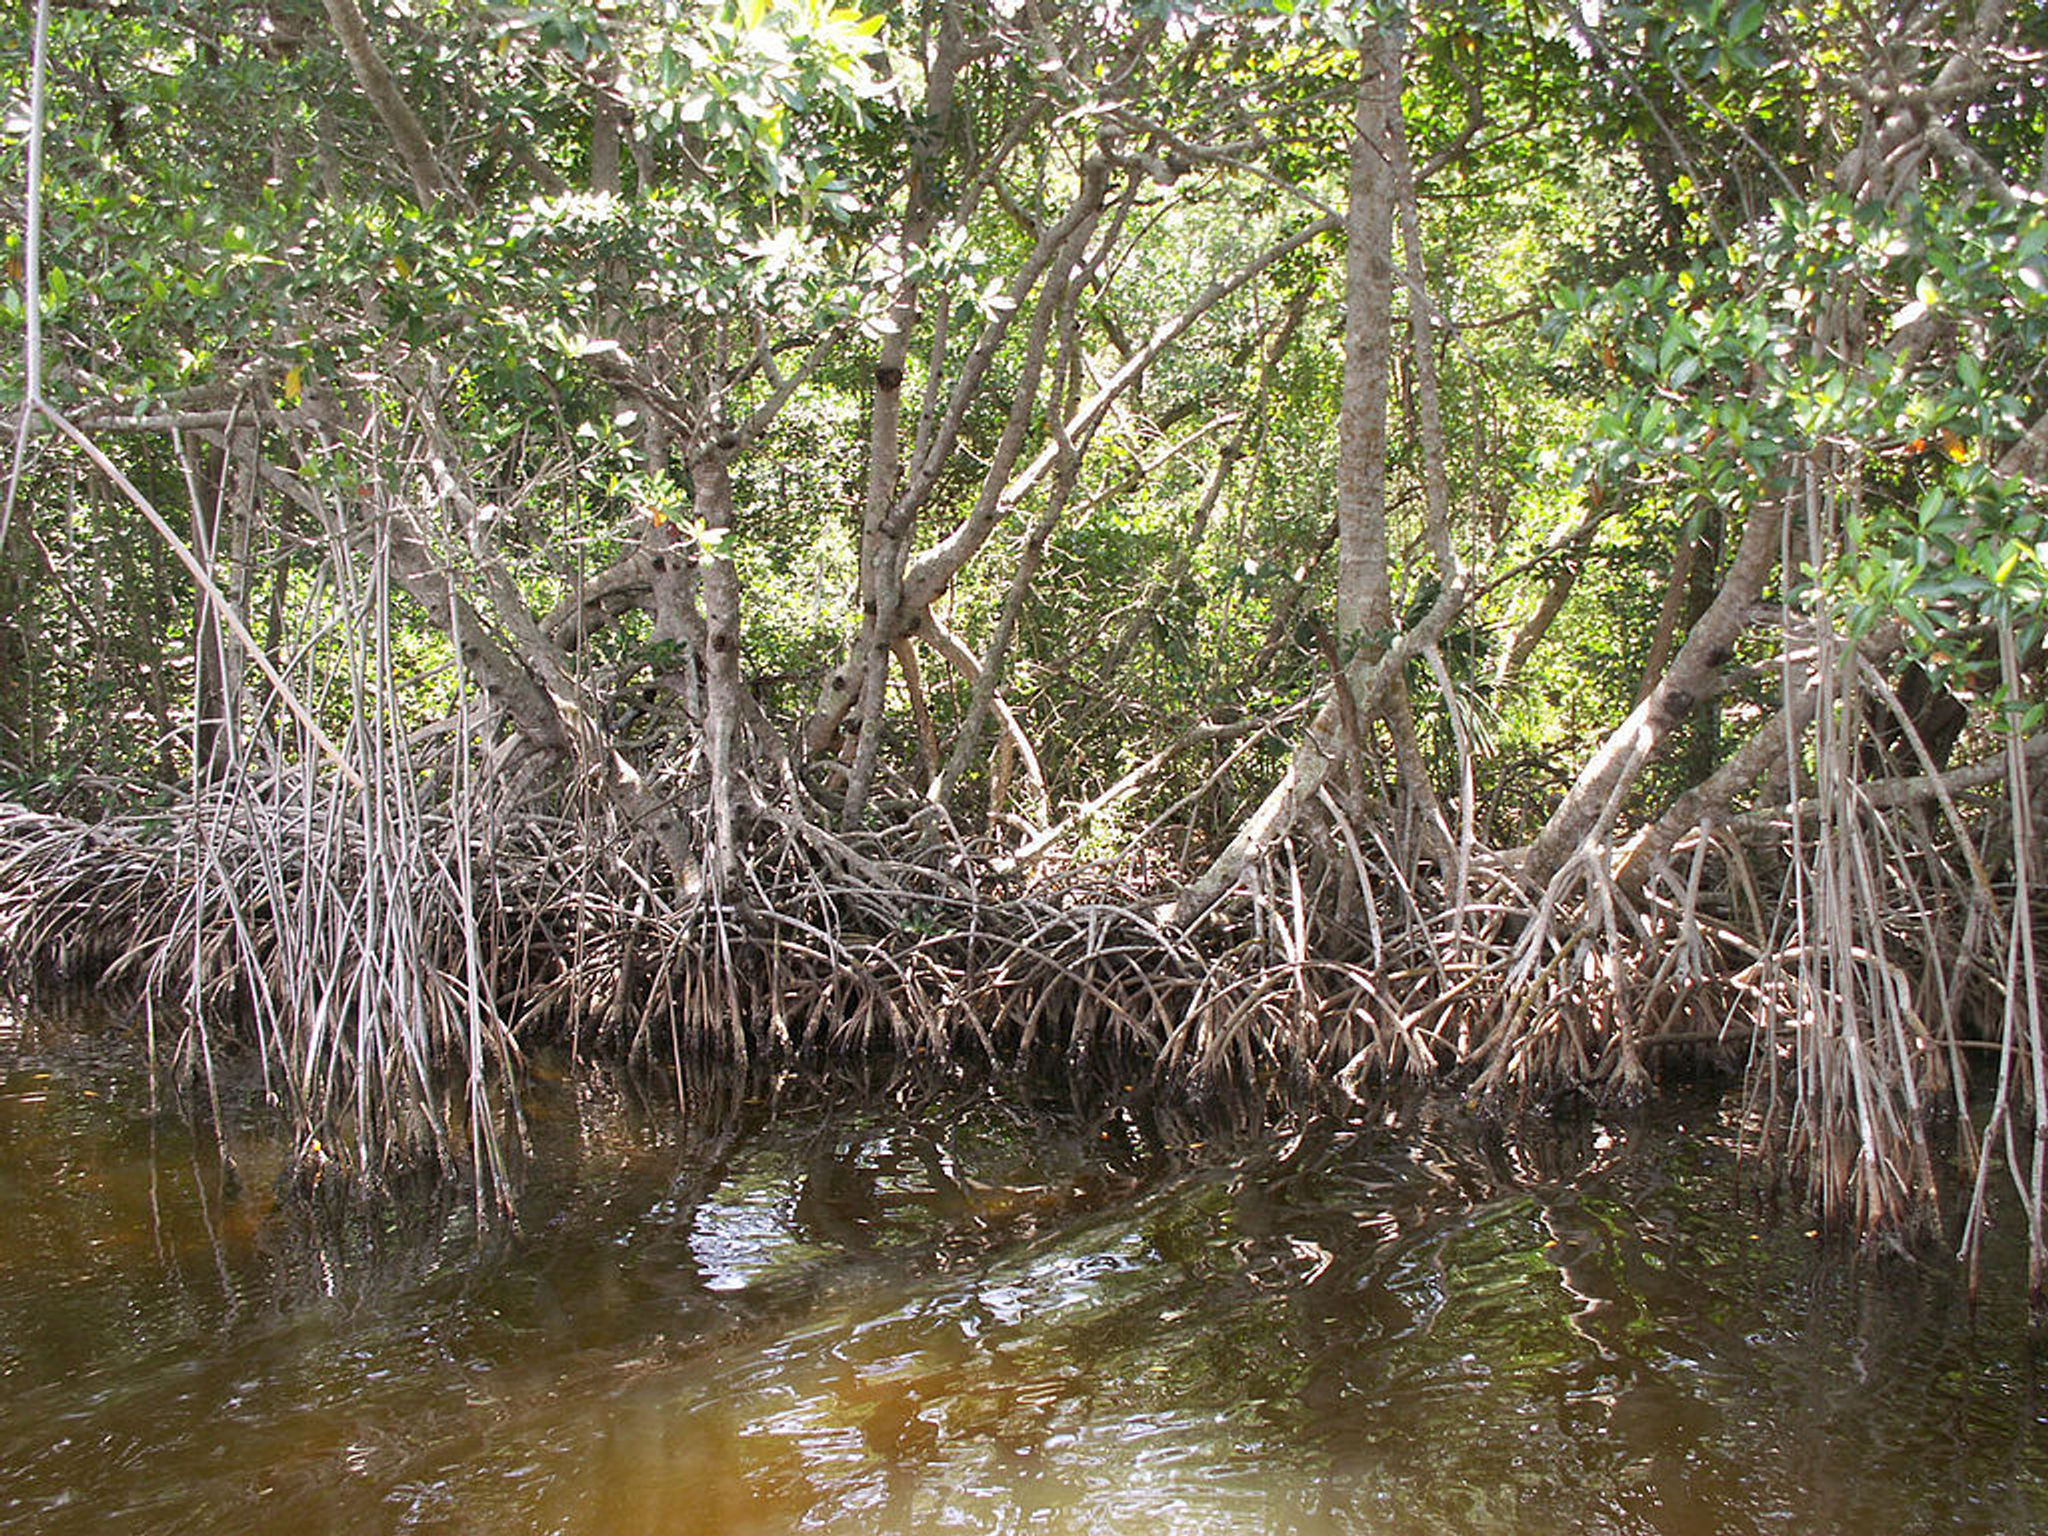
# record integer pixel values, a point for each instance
(430, 183)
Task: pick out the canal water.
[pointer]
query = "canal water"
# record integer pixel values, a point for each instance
(947, 1306)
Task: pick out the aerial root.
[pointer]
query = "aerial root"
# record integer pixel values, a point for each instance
(319, 943)
(390, 983)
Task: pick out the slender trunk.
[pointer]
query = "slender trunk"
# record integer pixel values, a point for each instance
(954, 651)
(722, 686)
(1246, 439)
(887, 526)
(1365, 604)
(604, 143)
(882, 555)
(219, 522)
(995, 662)
(1312, 761)
(677, 623)
(1435, 458)
(1435, 455)
(920, 710)
(1372, 669)
(1531, 634)
(929, 573)
(1364, 589)
(923, 579)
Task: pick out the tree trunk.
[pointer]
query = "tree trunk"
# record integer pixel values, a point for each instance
(930, 572)
(222, 493)
(722, 686)
(1247, 436)
(995, 662)
(1320, 750)
(887, 526)
(954, 651)
(1372, 670)
(1364, 590)
(1665, 633)
(1555, 596)
(1712, 796)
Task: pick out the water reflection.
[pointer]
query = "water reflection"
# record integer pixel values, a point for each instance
(881, 1305)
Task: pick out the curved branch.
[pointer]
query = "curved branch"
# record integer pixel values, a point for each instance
(415, 152)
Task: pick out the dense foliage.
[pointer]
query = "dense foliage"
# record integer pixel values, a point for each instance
(1551, 481)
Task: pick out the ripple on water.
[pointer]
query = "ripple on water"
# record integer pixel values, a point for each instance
(929, 1310)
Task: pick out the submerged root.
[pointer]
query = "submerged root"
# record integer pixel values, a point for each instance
(391, 979)
(360, 988)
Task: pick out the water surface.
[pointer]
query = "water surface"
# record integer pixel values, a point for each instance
(947, 1306)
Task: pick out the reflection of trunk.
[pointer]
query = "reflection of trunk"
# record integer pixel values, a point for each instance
(1596, 797)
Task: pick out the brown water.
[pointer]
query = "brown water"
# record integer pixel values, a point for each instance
(931, 1309)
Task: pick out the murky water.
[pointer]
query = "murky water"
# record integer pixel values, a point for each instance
(930, 1309)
